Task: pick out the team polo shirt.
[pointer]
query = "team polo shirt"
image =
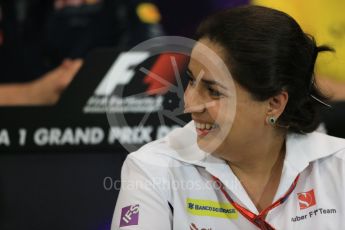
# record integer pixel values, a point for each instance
(169, 184)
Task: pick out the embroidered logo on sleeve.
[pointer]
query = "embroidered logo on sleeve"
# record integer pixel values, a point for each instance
(129, 215)
(306, 199)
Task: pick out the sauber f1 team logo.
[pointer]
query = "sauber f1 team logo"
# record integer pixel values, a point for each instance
(306, 199)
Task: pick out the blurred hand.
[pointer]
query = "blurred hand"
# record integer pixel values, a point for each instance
(47, 89)
(44, 91)
(332, 88)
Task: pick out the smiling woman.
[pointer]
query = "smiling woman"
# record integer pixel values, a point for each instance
(250, 155)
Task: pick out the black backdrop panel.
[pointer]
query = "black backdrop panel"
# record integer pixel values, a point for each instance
(59, 190)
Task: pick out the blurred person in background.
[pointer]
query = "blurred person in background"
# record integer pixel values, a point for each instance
(188, 16)
(42, 43)
(326, 22)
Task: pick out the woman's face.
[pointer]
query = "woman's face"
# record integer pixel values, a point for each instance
(225, 115)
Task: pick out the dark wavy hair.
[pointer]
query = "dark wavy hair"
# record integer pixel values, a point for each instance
(267, 52)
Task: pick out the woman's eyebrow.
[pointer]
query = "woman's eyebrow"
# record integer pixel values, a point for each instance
(205, 81)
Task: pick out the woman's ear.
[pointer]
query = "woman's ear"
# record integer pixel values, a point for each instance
(277, 104)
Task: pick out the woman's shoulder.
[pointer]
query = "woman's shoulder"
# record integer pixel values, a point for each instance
(316, 144)
(332, 162)
(314, 149)
(325, 148)
(178, 148)
(156, 153)
(332, 146)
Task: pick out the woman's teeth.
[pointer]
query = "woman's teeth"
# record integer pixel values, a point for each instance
(204, 126)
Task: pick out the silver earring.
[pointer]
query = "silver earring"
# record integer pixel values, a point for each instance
(271, 120)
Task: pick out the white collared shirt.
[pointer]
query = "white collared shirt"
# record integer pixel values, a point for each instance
(168, 184)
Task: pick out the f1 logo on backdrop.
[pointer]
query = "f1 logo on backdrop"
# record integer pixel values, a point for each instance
(121, 72)
(306, 199)
(159, 78)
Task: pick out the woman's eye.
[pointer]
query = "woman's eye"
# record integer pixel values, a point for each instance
(213, 92)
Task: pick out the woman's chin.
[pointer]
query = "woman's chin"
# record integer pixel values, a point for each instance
(208, 144)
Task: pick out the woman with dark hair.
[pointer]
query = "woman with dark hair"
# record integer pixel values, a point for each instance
(263, 167)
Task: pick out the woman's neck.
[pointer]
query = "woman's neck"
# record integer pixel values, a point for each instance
(259, 170)
(257, 160)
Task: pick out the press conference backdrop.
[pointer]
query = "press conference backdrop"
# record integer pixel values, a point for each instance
(60, 165)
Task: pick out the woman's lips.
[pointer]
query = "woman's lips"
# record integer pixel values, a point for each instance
(205, 132)
(202, 132)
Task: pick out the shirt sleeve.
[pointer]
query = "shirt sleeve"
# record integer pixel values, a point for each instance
(140, 204)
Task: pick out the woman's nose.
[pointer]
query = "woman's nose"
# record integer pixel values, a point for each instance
(193, 101)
